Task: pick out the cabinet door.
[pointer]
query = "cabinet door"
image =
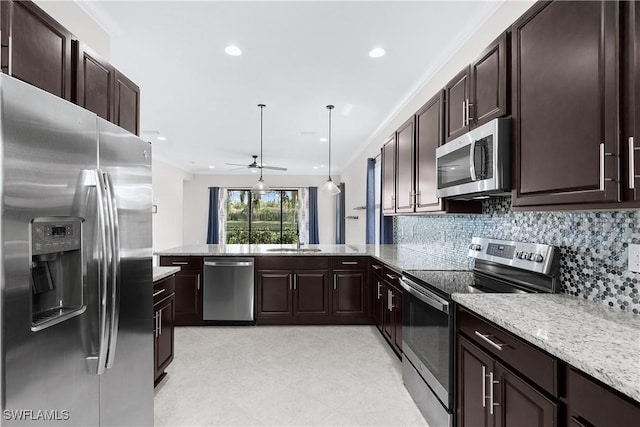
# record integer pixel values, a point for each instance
(489, 83)
(405, 166)
(274, 294)
(474, 366)
(429, 136)
(388, 176)
(349, 299)
(311, 293)
(630, 98)
(396, 306)
(188, 302)
(127, 104)
(517, 404)
(457, 97)
(566, 103)
(40, 49)
(378, 300)
(94, 81)
(165, 312)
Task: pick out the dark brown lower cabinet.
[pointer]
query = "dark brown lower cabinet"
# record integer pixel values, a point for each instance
(188, 289)
(311, 293)
(274, 300)
(164, 335)
(392, 315)
(349, 294)
(491, 395)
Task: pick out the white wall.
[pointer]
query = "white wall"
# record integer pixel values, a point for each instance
(354, 175)
(196, 201)
(74, 19)
(168, 196)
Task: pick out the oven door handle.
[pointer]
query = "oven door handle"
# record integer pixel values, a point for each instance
(426, 297)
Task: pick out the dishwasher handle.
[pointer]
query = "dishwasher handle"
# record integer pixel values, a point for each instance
(229, 264)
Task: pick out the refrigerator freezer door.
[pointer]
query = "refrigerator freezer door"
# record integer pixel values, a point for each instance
(126, 388)
(46, 147)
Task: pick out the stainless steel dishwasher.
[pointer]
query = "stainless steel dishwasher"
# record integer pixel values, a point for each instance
(228, 291)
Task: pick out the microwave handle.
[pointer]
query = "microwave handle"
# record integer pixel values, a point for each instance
(472, 161)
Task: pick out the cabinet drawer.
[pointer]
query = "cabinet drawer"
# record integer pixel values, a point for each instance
(532, 362)
(349, 263)
(591, 403)
(292, 263)
(163, 287)
(185, 262)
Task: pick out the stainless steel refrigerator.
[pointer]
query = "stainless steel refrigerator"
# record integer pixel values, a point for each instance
(75, 265)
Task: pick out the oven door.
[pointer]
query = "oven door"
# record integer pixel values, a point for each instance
(427, 338)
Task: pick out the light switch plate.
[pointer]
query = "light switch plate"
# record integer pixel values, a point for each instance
(634, 257)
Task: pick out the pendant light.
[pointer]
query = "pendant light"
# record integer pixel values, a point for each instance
(261, 187)
(329, 187)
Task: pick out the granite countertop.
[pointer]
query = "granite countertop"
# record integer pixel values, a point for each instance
(162, 272)
(447, 282)
(395, 256)
(602, 342)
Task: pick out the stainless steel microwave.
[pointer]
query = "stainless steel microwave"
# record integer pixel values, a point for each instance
(476, 165)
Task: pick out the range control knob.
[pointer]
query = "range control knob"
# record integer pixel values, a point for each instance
(478, 247)
(538, 258)
(530, 256)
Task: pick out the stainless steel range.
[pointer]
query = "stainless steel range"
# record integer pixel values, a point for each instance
(429, 324)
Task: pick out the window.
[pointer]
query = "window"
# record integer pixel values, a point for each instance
(262, 218)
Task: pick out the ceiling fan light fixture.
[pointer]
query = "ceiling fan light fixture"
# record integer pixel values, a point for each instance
(261, 187)
(330, 187)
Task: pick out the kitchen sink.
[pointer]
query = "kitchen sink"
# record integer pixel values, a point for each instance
(294, 250)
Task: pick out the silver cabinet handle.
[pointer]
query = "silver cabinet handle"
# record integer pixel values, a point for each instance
(389, 300)
(179, 263)
(198, 282)
(290, 283)
(602, 166)
(160, 321)
(632, 166)
(155, 294)
(464, 113)
(484, 386)
(485, 337)
(295, 282)
(469, 105)
(491, 384)
(376, 267)
(349, 262)
(335, 279)
(155, 330)
(379, 290)
(391, 276)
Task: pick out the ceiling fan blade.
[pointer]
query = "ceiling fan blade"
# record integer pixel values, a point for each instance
(274, 168)
(235, 164)
(236, 169)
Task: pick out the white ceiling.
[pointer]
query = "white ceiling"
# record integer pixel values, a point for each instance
(298, 56)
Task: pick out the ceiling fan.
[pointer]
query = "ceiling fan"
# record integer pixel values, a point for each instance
(256, 166)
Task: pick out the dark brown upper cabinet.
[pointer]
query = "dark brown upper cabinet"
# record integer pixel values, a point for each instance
(565, 102)
(489, 76)
(405, 167)
(35, 48)
(127, 104)
(429, 136)
(388, 176)
(479, 92)
(630, 98)
(457, 96)
(95, 79)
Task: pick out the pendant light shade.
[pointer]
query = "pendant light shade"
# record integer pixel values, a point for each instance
(330, 187)
(261, 187)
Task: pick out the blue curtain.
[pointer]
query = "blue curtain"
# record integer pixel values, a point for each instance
(314, 237)
(340, 213)
(371, 201)
(213, 234)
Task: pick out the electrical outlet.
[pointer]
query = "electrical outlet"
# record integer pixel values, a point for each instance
(634, 257)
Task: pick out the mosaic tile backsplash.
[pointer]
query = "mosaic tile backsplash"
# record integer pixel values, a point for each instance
(593, 245)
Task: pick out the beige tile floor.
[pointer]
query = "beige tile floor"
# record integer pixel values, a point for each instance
(283, 376)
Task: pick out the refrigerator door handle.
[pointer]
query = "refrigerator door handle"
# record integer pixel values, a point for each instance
(115, 271)
(103, 225)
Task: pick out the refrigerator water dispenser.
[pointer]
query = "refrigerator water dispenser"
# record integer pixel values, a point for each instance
(56, 270)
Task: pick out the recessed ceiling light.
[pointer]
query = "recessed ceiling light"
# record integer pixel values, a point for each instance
(212, 167)
(161, 138)
(233, 50)
(323, 139)
(376, 52)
